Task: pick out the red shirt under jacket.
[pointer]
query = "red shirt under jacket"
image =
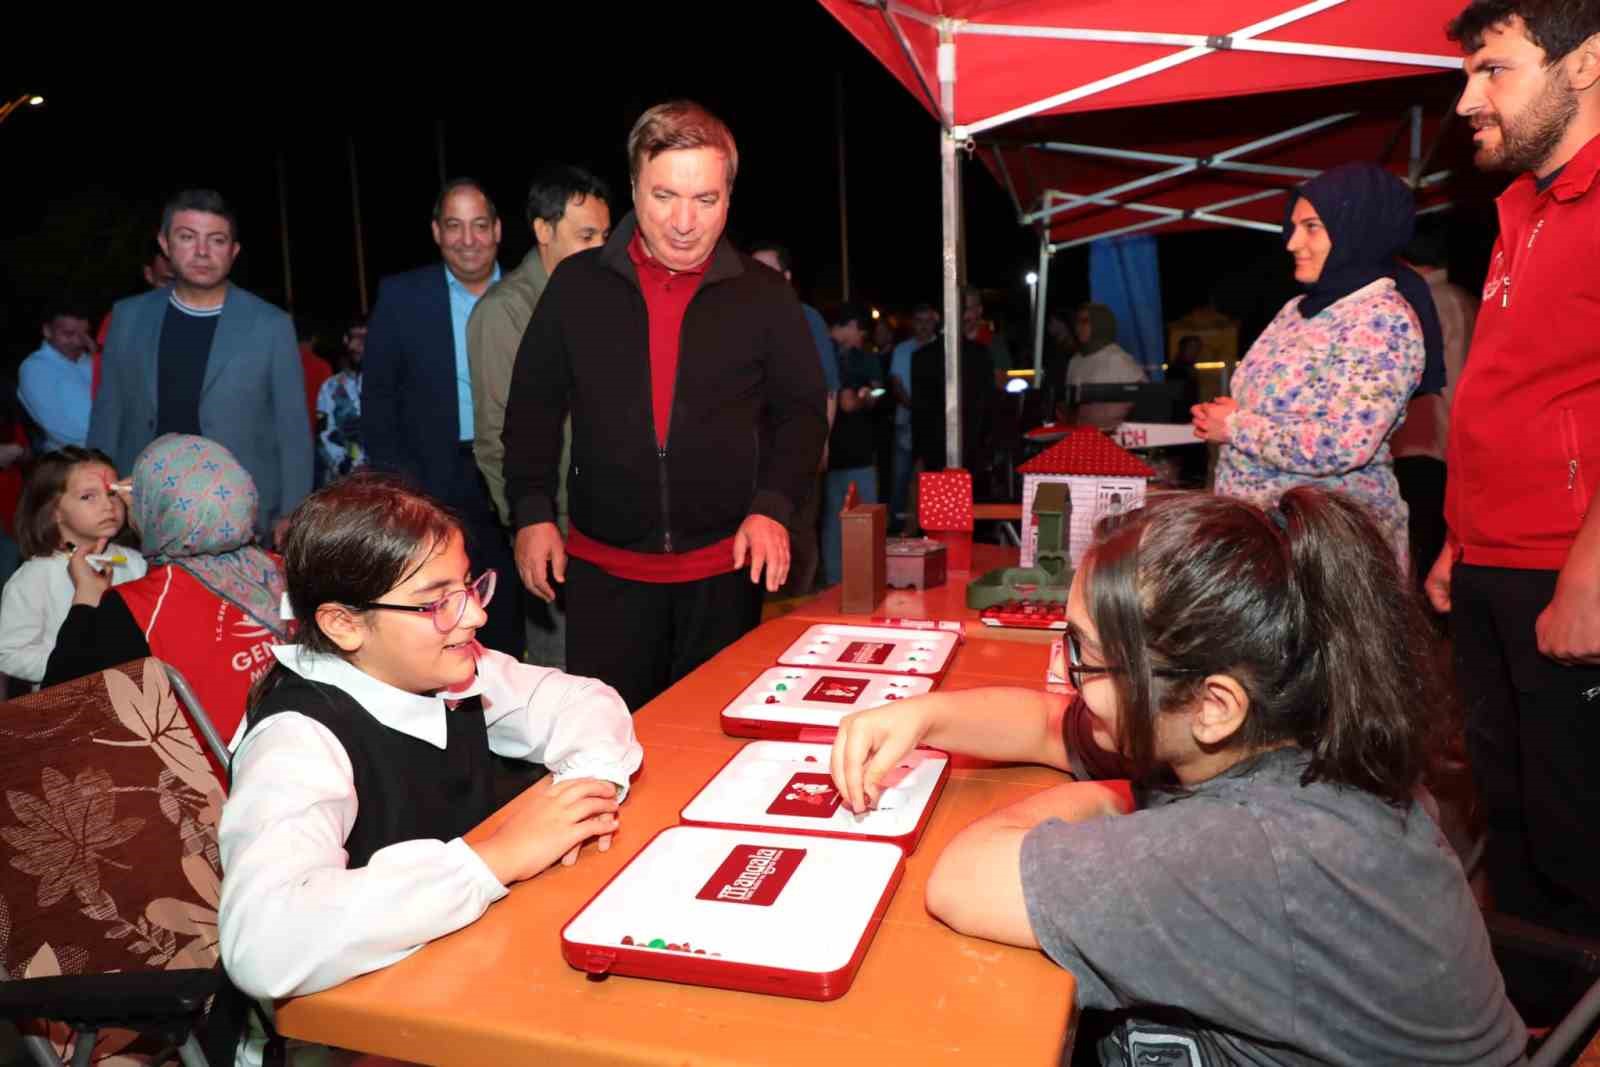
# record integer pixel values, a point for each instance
(666, 298)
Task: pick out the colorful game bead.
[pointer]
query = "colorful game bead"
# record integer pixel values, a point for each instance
(781, 688)
(771, 700)
(657, 943)
(626, 940)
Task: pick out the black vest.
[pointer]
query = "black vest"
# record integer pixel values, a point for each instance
(408, 789)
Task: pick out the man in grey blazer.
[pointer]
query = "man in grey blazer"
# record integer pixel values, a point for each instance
(205, 357)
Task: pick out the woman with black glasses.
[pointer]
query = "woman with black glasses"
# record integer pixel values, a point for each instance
(1246, 870)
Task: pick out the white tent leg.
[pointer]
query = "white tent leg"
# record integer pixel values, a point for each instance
(950, 189)
(1041, 300)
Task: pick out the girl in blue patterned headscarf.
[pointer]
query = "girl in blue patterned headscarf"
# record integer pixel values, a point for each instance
(195, 507)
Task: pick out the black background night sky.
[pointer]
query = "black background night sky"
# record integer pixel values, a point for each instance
(85, 175)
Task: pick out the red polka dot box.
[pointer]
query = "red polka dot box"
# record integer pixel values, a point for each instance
(944, 500)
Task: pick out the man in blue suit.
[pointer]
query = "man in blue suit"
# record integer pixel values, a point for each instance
(203, 356)
(416, 389)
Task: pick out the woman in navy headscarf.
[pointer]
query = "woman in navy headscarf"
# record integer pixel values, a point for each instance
(1323, 388)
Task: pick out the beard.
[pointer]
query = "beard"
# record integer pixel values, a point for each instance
(1528, 139)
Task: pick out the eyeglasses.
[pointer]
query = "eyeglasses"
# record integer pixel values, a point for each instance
(1076, 668)
(450, 609)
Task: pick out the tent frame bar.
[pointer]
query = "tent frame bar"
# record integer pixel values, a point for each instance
(1224, 160)
(957, 136)
(892, 21)
(1191, 47)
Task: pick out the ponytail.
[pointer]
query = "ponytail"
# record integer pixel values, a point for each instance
(1303, 604)
(1370, 657)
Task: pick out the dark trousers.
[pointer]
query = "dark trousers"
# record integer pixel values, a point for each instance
(1422, 483)
(641, 637)
(488, 545)
(1533, 734)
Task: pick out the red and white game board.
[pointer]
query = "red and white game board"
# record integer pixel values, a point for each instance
(786, 914)
(784, 785)
(881, 649)
(791, 703)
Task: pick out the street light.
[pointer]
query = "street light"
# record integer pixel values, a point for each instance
(30, 99)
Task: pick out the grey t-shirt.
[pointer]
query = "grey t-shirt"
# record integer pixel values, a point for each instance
(1255, 920)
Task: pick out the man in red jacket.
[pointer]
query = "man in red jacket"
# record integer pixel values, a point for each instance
(1520, 572)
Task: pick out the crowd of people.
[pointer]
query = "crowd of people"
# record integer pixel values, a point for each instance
(437, 576)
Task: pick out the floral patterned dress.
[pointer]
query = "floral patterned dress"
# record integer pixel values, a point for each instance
(1318, 400)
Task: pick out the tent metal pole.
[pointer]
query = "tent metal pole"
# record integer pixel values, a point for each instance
(1225, 156)
(1414, 167)
(1175, 213)
(1011, 188)
(893, 23)
(1267, 169)
(1358, 55)
(1186, 164)
(1076, 201)
(1242, 224)
(1138, 227)
(1440, 134)
(1145, 70)
(1171, 215)
(1101, 200)
(1244, 41)
(283, 233)
(1249, 198)
(904, 10)
(1041, 293)
(950, 189)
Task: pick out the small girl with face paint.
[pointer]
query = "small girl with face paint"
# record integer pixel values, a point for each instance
(1271, 888)
(67, 514)
(367, 753)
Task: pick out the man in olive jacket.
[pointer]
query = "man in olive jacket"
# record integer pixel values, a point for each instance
(568, 212)
(698, 417)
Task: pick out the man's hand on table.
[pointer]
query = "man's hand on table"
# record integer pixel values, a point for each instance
(541, 556)
(764, 543)
(549, 821)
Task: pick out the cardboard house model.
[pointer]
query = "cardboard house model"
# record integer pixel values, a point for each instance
(1100, 479)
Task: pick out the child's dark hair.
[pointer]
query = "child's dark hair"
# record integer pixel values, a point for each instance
(38, 533)
(350, 543)
(1304, 605)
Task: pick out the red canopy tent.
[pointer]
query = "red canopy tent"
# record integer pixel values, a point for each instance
(979, 65)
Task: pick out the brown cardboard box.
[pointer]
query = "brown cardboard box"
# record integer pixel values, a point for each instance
(861, 535)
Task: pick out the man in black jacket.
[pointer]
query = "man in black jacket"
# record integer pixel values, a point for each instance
(698, 418)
